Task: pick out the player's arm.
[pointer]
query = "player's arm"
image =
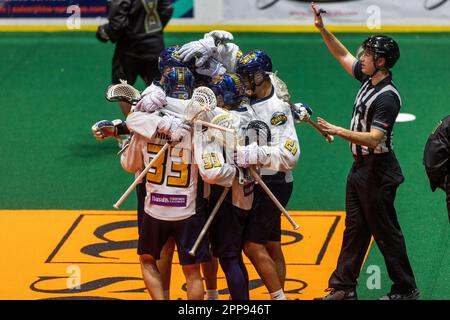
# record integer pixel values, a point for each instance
(339, 51)
(143, 123)
(281, 155)
(284, 155)
(132, 158)
(211, 163)
(165, 11)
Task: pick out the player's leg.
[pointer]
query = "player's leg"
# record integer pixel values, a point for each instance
(152, 277)
(264, 265)
(276, 253)
(165, 265)
(256, 236)
(149, 247)
(226, 235)
(282, 191)
(185, 233)
(209, 270)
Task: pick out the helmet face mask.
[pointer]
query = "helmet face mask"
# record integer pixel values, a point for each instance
(178, 82)
(170, 58)
(254, 67)
(229, 90)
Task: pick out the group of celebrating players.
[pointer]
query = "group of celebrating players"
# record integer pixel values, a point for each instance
(204, 168)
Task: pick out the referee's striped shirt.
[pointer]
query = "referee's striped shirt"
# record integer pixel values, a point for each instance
(375, 107)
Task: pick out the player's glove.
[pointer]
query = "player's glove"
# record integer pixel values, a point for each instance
(153, 98)
(220, 36)
(174, 127)
(211, 68)
(301, 112)
(105, 129)
(246, 156)
(201, 49)
(101, 34)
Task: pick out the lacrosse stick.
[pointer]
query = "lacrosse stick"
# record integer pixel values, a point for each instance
(209, 221)
(127, 93)
(203, 100)
(226, 122)
(283, 93)
(203, 123)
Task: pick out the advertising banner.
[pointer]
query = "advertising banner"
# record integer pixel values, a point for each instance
(344, 12)
(62, 8)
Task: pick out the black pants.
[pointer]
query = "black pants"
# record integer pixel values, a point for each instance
(129, 68)
(371, 188)
(447, 192)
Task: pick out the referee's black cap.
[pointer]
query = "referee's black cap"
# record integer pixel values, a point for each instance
(383, 46)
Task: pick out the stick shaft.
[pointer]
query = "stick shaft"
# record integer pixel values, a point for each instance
(208, 222)
(141, 175)
(273, 198)
(203, 123)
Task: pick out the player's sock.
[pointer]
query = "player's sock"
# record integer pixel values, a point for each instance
(244, 269)
(212, 294)
(236, 279)
(278, 295)
(166, 294)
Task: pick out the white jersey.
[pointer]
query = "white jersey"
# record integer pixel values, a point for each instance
(172, 183)
(283, 149)
(216, 166)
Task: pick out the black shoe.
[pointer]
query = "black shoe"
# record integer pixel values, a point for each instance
(412, 295)
(336, 294)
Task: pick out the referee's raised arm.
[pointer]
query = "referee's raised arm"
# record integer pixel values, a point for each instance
(339, 51)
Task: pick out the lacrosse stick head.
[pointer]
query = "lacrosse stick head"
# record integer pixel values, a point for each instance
(203, 100)
(122, 92)
(281, 88)
(257, 131)
(225, 138)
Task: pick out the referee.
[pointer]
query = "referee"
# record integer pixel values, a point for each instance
(136, 27)
(436, 159)
(375, 175)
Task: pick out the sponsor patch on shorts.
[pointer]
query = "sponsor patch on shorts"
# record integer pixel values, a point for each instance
(278, 119)
(168, 200)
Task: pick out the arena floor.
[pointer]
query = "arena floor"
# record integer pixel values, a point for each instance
(58, 183)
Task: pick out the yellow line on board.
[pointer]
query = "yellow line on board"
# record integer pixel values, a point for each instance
(236, 28)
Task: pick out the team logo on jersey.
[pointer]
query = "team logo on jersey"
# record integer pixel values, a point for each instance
(278, 119)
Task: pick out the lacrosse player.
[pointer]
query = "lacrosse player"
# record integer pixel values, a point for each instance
(174, 203)
(177, 83)
(139, 40)
(277, 159)
(216, 166)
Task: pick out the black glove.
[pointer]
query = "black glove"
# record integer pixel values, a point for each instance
(101, 34)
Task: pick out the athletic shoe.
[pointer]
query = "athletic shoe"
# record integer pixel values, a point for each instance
(336, 294)
(412, 295)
